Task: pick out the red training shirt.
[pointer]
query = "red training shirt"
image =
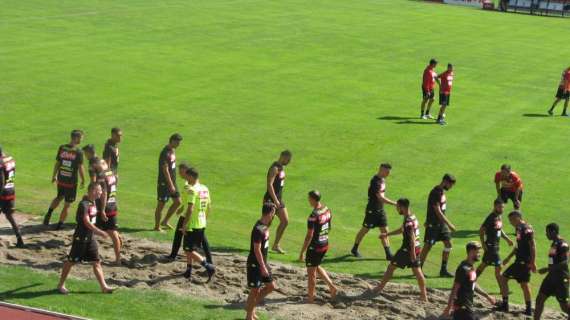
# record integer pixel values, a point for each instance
(429, 79)
(446, 81)
(512, 182)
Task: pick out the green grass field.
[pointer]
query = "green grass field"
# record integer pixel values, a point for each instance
(336, 82)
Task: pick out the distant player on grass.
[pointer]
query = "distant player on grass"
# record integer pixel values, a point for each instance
(194, 225)
(107, 208)
(8, 193)
(509, 186)
(446, 80)
(429, 80)
(111, 150)
(562, 93)
(84, 247)
(375, 215)
(166, 185)
(316, 245)
(438, 226)
(556, 281)
(259, 279)
(274, 194)
(68, 164)
(409, 254)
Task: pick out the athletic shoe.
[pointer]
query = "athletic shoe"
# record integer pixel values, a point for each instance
(356, 253)
(59, 226)
(445, 274)
(211, 271)
(428, 116)
(47, 217)
(441, 122)
(188, 273)
(528, 312)
(20, 244)
(502, 307)
(564, 115)
(423, 117)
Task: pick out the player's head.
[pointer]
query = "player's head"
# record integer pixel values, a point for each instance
(385, 169)
(94, 190)
(1, 151)
(515, 217)
(403, 206)
(505, 170)
(448, 181)
(76, 136)
(174, 140)
(89, 151)
(192, 175)
(268, 212)
(499, 206)
(552, 231)
(314, 197)
(285, 157)
(473, 250)
(103, 165)
(433, 62)
(449, 67)
(182, 169)
(116, 134)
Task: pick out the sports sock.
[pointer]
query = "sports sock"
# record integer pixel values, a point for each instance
(50, 211)
(355, 247)
(528, 306)
(444, 265)
(388, 252)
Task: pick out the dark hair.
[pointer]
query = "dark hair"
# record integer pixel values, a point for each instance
(404, 202)
(506, 167)
(286, 154)
(0, 149)
(515, 214)
(89, 148)
(116, 130)
(498, 201)
(192, 172)
(433, 61)
(315, 195)
(76, 133)
(449, 65)
(92, 186)
(386, 166)
(267, 208)
(175, 137)
(183, 166)
(553, 227)
(472, 245)
(449, 178)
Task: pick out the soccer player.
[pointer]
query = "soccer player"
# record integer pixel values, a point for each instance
(490, 233)
(509, 186)
(525, 252)
(446, 79)
(92, 160)
(465, 285)
(563, 93)
(258, 271)
(111, 150)
(556, 281)
(274, 194)
(429, 79)
(194, 225)
(316, 245)
(68, 164)
(375, 215)
(107, 207)
(166, 186)
(438, 226)
(8, 193)
(409, 254)
(84, 247)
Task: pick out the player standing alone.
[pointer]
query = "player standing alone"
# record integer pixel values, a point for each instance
(375, 215)
(429, 79)
(8, 193)
(446, 80)
(509, 186)
(274, 194)
(563, 93)
(166, 184)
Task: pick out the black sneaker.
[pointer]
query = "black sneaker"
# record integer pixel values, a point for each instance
(445, 274)
(356, 253)
(20, 244)
(211, 271)
(59, 226)
(47, 217)
(528, 312)
(502, 307)
(187, 274)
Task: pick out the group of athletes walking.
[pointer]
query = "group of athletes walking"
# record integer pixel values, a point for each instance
(97, 215)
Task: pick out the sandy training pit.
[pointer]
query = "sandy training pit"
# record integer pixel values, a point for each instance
(145, 268)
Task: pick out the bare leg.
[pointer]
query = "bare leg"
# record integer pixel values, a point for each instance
(55, 203)
(64, 212)
(158, 214)
(360, 235)
(387, 276)
(64, 273)
(526, 292)
(498, 276)
(283, 222)
(421, 283)
(173, 207)
(482, 268)
(425, 252)
(251, 302)
(325, 276)
(446, 252)
(267, 289)
(540, 299)
(423, 106)
(98, 271)
(429, 106)
(554, 105)
(385, 240)
(312, 280)
(116, 244)
(15, 227)
(565, 107)
(504, 285)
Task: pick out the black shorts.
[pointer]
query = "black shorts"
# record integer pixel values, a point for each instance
(375, 218)
(254, 277)
(508, 194)
(267, 198)
(68, 194)
(555, 285)
(402, 258)
(444, 99)
(164, 194)
(435, 233)
(314, 258)
(520, 271)
(110, 224)
(428, 94)
(84, 250)
(560, 94)
(463, 314)
(193, 239)
(7, 206)
(491, 256)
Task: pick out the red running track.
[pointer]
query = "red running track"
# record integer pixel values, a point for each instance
(15, 312)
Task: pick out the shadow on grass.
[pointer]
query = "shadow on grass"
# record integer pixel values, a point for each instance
(416, 122)
(394, 118)
(403, 274)
(350, 258)
(465, 233)
(21, 293)
(536, 115)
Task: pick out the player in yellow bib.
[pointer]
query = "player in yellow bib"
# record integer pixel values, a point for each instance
(194, 225)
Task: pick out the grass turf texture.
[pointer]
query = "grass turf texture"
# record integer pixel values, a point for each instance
(336, 82)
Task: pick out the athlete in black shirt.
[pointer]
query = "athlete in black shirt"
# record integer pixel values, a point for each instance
(556, 281)
(316, 245)
(68, 164)
(111, 150)
(490, 233)
(92, 161)
(274, 194)
(84, 247)
(258, 271)
(408, 255)
(524, 264)
(8, 193)
(375, 216)
(460, 302)
(107, 207)
(166, 185)
(438, 226)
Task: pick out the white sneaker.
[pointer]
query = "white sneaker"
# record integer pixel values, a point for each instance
(428, 116)
(423, 117)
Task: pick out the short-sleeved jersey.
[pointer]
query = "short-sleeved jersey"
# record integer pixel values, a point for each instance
(446, 80)
(8, 169)
(377, 186)
(70, 158)
(558, 254)
(562, 79)
(110, 185)
(493, 226)
(279, 181)
(511, 183)
(411, 226)
(86, 207)
(199, 198)
(111, 151)
(167, 157)
(525, 238)
(259, 234)
(436, 198)
(466, 277)
(428, 78)
(320, 222)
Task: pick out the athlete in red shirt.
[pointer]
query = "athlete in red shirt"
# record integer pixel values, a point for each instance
(509, 186)
(446, 79)
(562, 93)
(428, 83)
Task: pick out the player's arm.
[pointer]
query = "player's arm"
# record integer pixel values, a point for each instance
(506, 237)
(498, 185)
(392, 233)
(442, 216)
(108, 157)
(104, 197)
(482, 231)
(411, 235)
(308, 237)
(91, 226)
(167, 176)
(452, 296)
(189, 209)
(532, 255)
(518, 191)
(382, 197)
(482, 292)
(271, 174)
(259, 257)
(509, 257)
(55, 171)
(82, 175)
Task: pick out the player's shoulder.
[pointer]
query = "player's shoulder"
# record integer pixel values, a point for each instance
(260, 227)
